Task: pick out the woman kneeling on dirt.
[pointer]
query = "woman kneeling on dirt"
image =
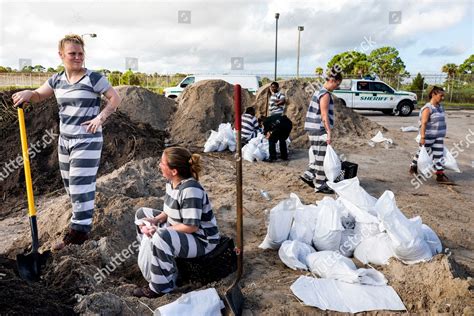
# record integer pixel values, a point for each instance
(432, 133)
(186, 227)
(77, 92)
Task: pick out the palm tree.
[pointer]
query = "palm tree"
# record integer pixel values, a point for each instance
(319, 71)
(450, 69)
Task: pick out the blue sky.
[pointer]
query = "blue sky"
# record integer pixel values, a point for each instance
(219, 30)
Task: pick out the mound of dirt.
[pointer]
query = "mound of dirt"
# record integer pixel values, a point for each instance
(144, 106)
(349, 128)
(435, 287)
(124, 141)
(201, 108)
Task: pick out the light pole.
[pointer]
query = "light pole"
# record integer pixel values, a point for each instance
(277, 16)
(300, 28)
(91, 35)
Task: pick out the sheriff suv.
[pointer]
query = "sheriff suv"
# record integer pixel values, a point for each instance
(363, 94)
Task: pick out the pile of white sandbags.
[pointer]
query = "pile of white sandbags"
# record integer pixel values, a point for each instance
(257, 149)
(221, 140)
(355, 224)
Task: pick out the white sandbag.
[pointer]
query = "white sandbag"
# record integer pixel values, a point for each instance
(432, 240)
(331, 164)
(406, 235)
(375, 249)
(409, 129)
(328, 229)
(365, 230)
(449, 161)
(212, 143)
(261, 152)
(293, 254)
(329, 294)
(351, 191)
(247, 152)
(277, 147)
(145, 255)
(425, 162)
(205, 302)
(304, 222)
(227, 137)
(349, 242)
(145, 251)
(279, 223)
(331, 265)
(379, 138)
(360, 215)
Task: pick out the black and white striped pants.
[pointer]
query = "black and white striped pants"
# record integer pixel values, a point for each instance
(433, 146)
(167, 245)
(315, 169)
(79, 160)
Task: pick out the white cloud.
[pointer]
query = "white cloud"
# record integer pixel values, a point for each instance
(149, 31)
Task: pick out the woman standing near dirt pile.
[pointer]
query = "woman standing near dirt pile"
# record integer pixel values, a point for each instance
(432, 133)
(186, 227)
(77, 92)
(319, 122)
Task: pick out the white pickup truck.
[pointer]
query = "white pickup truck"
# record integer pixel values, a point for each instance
(251, 83)
(362, 94)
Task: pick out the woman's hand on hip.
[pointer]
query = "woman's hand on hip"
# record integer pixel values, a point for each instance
(93, 125)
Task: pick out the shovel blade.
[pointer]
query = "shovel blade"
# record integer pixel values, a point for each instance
(29, 265)
(234, 300)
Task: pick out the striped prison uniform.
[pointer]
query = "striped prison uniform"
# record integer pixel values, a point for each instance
(273, 108)
(187, 204)
(434, 135)
(317, 137)
(249, 127)
(79, 151)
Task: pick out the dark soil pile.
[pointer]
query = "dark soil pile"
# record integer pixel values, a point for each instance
(124, 141)
(17, 297)
(144, 106)
(201, 108)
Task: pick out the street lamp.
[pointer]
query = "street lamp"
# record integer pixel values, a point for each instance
(277, 16)
(300, 28)
(91, 35)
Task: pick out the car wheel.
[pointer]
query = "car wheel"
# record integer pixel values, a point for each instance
(404, 108)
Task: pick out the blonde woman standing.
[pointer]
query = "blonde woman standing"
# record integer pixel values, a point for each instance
(77, 91)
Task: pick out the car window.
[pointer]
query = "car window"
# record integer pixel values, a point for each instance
(363, 86)
(381, 87)
(188, 81)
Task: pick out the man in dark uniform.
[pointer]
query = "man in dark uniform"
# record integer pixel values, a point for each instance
(277, 128)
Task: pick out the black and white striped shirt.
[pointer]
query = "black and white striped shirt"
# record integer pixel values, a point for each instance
(273, 108)
(189, 204)
(249, 126)
(313, 124)
(78, 102)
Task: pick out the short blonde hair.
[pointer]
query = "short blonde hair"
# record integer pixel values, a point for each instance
(70, 38)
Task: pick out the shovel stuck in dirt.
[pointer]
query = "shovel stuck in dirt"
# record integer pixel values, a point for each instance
(29, 265)
(233, 295)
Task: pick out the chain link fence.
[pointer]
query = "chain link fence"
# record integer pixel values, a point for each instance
(459, 88)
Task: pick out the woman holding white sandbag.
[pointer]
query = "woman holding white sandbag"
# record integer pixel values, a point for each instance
(432, 131)
(319, 123)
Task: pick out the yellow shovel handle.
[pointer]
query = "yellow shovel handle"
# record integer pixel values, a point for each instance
(26, 163)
